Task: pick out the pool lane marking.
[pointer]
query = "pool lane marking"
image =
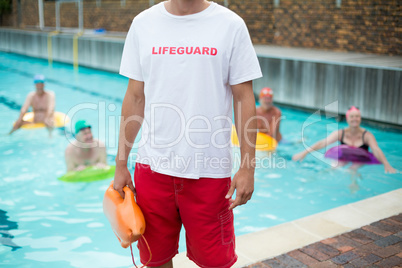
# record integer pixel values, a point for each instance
(73, 87)
(10, 103)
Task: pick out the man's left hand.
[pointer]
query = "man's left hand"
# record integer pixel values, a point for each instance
(243, 182)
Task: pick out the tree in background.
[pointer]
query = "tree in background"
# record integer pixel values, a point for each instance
(5, 7)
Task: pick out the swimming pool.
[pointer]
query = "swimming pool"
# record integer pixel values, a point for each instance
(45, 222)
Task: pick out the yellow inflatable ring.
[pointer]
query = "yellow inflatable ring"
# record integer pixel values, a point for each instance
(60, 120)
(264, 142)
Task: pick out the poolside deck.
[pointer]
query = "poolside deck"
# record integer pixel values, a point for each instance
(376, 245)
(328, 56)
(315, 235)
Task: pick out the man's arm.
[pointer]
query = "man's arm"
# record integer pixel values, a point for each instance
(26, 105)
(132, 113)
(24, 109)
(103, 155)
(246, 127)
(69, 159)
(262, 122)
(102, 159)
(277, 123)
(49, 117)
(52, 104)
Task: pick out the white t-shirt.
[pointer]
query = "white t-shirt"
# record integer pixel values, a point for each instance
(187, 64)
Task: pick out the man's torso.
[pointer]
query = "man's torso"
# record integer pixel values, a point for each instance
(40, 105)
(187, 64)
(85, 156)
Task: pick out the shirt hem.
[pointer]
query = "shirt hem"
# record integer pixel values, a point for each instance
(246, 78)
(131, 76)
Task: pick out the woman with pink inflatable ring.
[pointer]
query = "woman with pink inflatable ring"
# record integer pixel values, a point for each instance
(353, 139)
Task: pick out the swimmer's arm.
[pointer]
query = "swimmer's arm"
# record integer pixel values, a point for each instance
(277, 126)
(246, 127)
(132, 115)
(69, 159)
(27, 103)
(52, 104)
(333, 137)
(262, 122)
(101, 160)
(24, 109)
(372, 143)
(79, 167)
(103, 154)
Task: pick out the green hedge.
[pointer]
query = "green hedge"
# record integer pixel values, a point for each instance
(5, 6)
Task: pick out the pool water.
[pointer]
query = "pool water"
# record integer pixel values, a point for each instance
(45, 222)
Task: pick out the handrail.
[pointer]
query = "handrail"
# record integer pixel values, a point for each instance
(75, 49)
(49, 46)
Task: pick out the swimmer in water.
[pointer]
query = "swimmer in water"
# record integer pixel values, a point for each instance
(42, 103)
(268, 116)
(354, 136)
(85, 151)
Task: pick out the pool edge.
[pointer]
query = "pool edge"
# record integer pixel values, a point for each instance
(279, 239)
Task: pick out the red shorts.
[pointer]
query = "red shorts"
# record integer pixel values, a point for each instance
(200, 205)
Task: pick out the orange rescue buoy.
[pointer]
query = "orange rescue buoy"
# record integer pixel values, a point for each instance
(125, 216)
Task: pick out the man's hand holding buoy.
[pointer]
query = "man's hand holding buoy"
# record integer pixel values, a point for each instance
(122, 178)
